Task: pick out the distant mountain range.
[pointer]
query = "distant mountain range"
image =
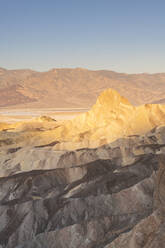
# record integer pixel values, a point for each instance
(75, 88)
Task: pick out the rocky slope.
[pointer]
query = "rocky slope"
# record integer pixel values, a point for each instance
(103, 197)
(112, 117)
(75, 87)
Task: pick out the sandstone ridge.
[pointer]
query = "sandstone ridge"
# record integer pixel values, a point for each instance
(110, 193)
(112, 117)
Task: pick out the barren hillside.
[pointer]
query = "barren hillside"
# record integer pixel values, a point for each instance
(109, 196)
(67, 88)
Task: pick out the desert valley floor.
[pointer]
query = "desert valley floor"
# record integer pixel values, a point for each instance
(15, 115)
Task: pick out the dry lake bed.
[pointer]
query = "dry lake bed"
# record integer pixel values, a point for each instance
(14, 115)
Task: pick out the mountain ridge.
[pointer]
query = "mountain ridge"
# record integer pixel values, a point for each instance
(111, 118)
(95, 181)
(77, 87)
(107, 196)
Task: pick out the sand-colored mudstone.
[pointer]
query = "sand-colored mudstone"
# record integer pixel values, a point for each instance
(112, 117)
(109, 193)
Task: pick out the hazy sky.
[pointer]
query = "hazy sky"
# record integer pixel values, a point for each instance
(120, 35)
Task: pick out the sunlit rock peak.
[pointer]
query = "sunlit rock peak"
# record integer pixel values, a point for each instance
(112, 117)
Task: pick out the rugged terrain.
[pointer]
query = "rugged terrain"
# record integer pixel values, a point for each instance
(78, 87)
(111, 195)
(112, 117)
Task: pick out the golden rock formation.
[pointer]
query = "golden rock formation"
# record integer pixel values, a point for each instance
(112, 117)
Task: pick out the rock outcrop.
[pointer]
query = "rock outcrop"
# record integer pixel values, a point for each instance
(103, 197)
(112, 117)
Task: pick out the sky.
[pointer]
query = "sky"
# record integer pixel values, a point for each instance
(119, 35)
